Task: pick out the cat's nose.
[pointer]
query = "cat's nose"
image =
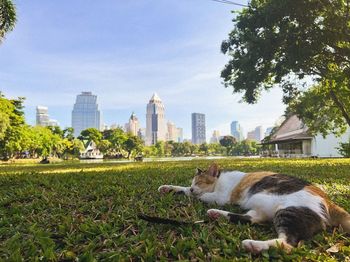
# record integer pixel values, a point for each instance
(191, 189)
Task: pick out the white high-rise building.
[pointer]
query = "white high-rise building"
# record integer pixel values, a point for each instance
(215, 137)
(172, 132)
(85, 113)
(133, 126)
(156, 129)
(53, 122)
(42, 116)
(180, 136)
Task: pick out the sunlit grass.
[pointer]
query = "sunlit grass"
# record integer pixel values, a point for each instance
(89, 211)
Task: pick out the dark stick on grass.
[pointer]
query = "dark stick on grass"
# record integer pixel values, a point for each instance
(166, 221)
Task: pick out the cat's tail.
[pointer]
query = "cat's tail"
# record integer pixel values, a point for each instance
(339, 217)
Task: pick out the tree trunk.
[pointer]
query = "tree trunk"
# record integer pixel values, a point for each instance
(340, 106)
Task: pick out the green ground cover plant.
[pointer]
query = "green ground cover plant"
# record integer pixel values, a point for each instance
(87, 212)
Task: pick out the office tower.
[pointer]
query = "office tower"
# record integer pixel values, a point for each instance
(142, 133)
(236, 131)
(53, 122)
(215, 137)
(251, 135)
(198, 128)
(180, 136)
(85, 113)
(258, 133)
(42, 116)
(133, 126)
(155, 121)
(172, 132)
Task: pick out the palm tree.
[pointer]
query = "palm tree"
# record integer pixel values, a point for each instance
(7, 17)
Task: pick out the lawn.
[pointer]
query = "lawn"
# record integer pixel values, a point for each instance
(70, 211)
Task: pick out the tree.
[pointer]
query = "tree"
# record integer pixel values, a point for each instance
(344, 149)
(117, 138)
(6, 108)
(318, 111)
(10, 143)
(68, 133)
(7, 17)
(204, 148)
(275, 42)
(91, 134)
(228, 142)
(133, 143)
(160, 148)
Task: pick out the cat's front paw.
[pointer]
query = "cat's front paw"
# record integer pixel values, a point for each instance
(164, 189)
(216, 213)
(254, 246)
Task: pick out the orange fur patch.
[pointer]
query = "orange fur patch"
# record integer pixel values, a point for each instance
(247, 181)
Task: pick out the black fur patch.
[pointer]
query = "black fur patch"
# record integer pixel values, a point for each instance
(243, 219)
(278, 184)
(297, 223)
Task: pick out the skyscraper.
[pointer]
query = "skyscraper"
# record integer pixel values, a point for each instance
(198, 128)
(256, 134)
(133, 125)
(236, 130)
(172, 132)
(215, 138)
(42, 116)
(85, 113)
(180, 136)
(259, 135)
(155, 121)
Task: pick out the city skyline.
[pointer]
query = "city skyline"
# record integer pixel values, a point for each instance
(169, 49)
(136, 128)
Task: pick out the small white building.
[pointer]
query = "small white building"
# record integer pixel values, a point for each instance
(292, 139)
(91, 151)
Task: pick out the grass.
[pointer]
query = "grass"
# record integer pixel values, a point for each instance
(70, 211)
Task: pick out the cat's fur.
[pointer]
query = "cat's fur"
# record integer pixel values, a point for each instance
(297, 209)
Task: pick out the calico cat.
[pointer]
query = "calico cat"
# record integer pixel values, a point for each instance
(297, 209)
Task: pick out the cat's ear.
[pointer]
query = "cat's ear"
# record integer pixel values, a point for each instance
(214, 170)
(198, 171)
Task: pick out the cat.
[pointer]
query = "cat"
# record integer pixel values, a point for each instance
(297, 209)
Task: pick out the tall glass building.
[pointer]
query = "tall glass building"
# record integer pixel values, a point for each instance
(155, 121)
(236, 131)
(198, 128)
(85, 113)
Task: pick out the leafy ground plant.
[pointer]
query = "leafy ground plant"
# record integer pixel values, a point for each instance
(88, 212)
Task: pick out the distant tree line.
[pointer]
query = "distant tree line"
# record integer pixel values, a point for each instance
(20, 140)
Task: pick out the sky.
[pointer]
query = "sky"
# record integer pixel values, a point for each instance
(124, 51)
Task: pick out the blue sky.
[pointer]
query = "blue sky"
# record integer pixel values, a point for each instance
(124, 51)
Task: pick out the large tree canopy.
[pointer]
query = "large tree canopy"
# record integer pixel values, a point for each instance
(288, 43)
(7, 17)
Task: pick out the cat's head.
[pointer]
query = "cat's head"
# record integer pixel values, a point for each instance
(204, 181)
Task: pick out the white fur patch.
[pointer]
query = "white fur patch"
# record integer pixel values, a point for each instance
(227, 181)
(268, 204)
